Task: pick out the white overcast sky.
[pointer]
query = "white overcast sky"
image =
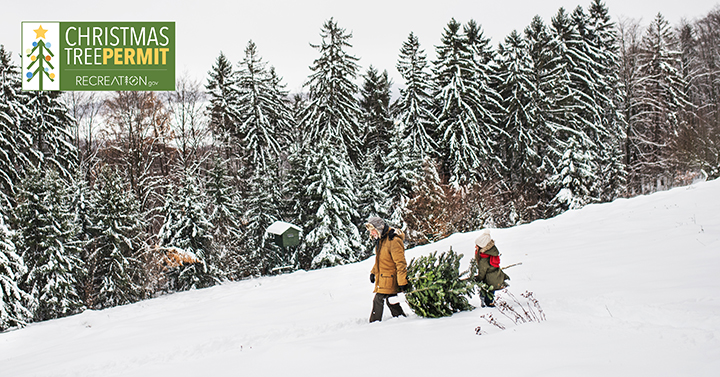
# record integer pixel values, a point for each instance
(283, 29)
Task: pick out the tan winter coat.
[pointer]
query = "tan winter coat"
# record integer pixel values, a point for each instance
(390, 267)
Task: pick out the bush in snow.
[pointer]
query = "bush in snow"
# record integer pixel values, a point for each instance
(514, 310)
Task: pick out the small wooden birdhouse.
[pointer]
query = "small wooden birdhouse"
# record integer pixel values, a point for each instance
(286, 234)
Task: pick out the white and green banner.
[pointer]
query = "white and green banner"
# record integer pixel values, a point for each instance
(98, 56)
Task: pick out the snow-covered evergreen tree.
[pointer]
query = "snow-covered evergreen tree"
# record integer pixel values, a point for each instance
(296, 180)
(487, 81)
(586, 93)
(373, 197)
(332, 108)
(588, 73)
(323, 167)
(49, 125)
(414, 109)
(581, 100)
(525, 128)
(298, 102)
(286, 125)
(13, 300)
(46, 235)
(595, 80)
(223, 198)
(186, 227)
(14, 142)
(601, 35)
(83, 203)
(602, 40)
(522, 120)
(467, 119)
(223, 100)
(567, 57)
(226, 214)
(402, 172)
(691, 68)
(117, 240)
(295, 208)
(541, 54)
(569, 102)
(263, 112)
(261, 209)
(266, 119)
(574, 179)
(660, 101)
(377, 121)
(332, 238)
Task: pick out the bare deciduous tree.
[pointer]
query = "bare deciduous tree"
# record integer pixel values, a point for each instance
(188, 120)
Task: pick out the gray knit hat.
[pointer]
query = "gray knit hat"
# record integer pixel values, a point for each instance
(376, 222)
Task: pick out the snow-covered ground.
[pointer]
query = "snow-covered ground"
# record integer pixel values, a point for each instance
(629, 288)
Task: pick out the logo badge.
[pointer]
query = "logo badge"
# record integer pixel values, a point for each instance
(40, 41)
(98, 56)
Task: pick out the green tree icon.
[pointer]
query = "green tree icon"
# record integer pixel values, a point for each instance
(43, 57)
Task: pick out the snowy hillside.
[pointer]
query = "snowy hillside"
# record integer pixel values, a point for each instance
(629, 288)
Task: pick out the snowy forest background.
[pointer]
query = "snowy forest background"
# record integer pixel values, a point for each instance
(103, 193)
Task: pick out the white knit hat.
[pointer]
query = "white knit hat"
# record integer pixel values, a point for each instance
(484, 238)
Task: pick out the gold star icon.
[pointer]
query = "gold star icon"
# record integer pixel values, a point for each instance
(40, 32)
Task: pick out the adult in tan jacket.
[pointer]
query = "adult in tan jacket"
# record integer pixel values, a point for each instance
(390, 270)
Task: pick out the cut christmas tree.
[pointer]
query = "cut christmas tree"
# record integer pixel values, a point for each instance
(438, 287)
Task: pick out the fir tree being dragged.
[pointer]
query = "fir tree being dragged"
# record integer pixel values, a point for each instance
(438, 289)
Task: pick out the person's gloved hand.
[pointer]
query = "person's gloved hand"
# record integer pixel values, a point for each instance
(372, 278)
(403, 288)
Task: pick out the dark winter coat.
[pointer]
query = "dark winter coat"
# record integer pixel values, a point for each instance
(491, 275)
(390, 267)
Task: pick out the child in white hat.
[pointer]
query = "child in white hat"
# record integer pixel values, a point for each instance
(487, 258)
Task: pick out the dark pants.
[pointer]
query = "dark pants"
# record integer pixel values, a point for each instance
(488, 301)
(378, 306)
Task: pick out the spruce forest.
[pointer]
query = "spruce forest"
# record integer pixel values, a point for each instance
(112, 198)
